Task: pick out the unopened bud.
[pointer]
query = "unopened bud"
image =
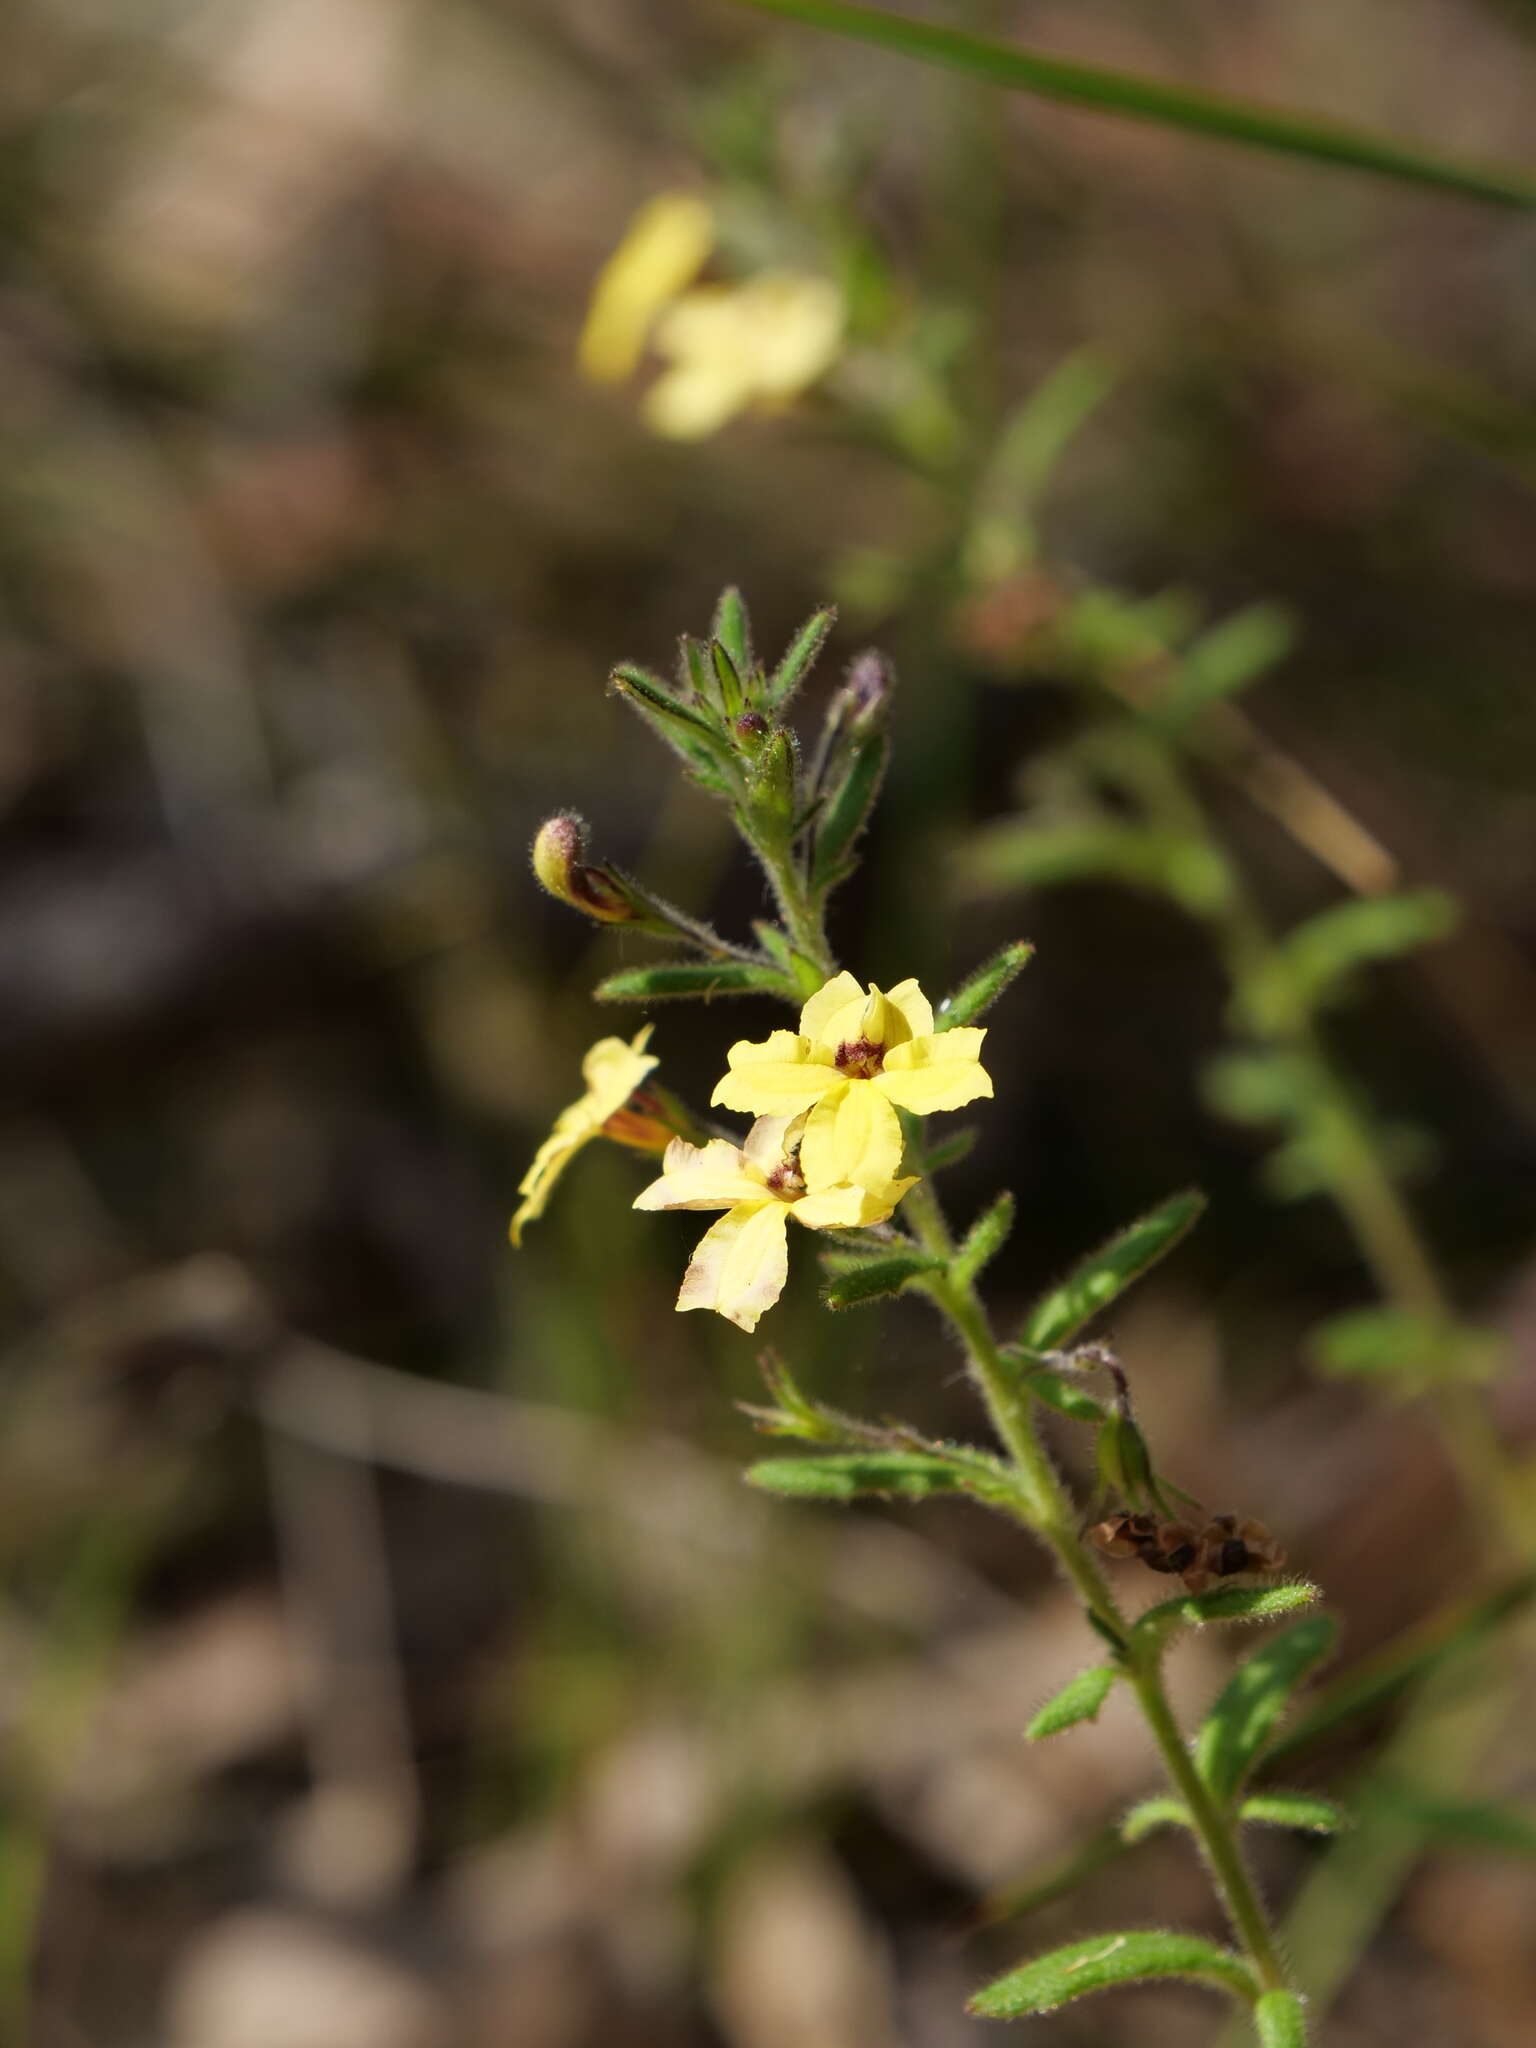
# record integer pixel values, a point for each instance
(596, 891)
(771, 790)
(751, 729)
(866, 694)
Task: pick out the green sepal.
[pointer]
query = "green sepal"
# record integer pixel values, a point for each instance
(1224, 1603)
(1281, 2020)
(1301, 1810)
(1078, 1700)
(871, 1279)
(1106, 1273)
(1232, 1736)
(979, 991)
(983, 1241)
(799, 657)
(852, 1475)
(678, 978)
(731, 629)
(1104, 1960)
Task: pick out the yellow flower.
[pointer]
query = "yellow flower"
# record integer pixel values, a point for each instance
(732, 346)
(855, 1060)
(742, 1262)
(612, 1071)
(663, 251)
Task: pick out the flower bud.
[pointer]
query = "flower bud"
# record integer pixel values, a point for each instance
(771, 789)
(597, 891)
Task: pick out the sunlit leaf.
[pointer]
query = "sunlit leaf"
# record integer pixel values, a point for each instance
(1226, 1603)
(1150, 1814)
(979, 991)
(1078, 1700)
(852, 1475)
(800, 657)
(1106, 1273)
(871, 1279)
(1234, 1732)
(1104, 1960)
(984, 1240)
(1303, 1810)
(677, 978)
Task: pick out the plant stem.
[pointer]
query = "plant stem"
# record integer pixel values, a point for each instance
(1046, 1507)
(804, 922)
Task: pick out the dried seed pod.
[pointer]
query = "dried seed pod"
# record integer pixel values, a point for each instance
(1124, 1535)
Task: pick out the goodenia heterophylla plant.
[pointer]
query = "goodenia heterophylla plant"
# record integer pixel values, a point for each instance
(841, 1145)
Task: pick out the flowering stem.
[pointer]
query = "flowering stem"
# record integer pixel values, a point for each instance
(1044, 1505)
(804, 921)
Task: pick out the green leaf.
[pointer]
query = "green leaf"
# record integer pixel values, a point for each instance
(983, 1241)
(775, 945)
(949, 1150)
(688, 735)
(1173, 106)
(846, 809)
(1396, 1344)
(1078, 1700)
(1225, 1603)
(1224, 660)
(1104, 1960)
(1106, 1273)
(733, 630)
(1064, 1393)
(1380, 1678)
(799, 657)
(729, 680)
(1147, 1815)
(911, 1475)
(1475, 1824)
(1012, 855)
(675, 978)
(1234, 1732)
(870, 1279)
(1281, 2019)
(1302, 1810)
(979, 991)
(1319, 961)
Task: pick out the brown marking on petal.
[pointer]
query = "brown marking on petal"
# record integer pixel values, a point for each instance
(860, 1059)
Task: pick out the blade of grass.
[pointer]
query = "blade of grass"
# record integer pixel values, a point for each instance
(1173, 106)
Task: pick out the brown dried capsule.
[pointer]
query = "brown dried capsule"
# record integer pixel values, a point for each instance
(1125, 1535)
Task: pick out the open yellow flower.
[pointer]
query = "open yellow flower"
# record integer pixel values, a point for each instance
(663, 250)
(742, 1262)
(855, 1060)
(734, 346)
(612, 1071)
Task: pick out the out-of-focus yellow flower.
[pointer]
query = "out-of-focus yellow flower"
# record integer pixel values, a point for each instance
(742, 1262)
(855, 1060)
(734, 346)
(665, 248)
(612, 1071)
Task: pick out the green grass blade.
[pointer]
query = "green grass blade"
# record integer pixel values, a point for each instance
(1170, 106)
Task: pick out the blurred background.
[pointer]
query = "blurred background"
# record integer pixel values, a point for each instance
(391, 1653)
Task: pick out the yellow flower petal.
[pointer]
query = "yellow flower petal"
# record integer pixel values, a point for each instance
(850, 1207)
(769, 1139)
(663, 250)
(612, 1071)
(854, 1137)
(693, 400)
(741, 1264)
(713, 1176)
(777, 1076)
(834, 995)
(939, 1072)
(915, 1008)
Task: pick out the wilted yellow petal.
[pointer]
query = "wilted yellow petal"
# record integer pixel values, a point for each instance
(939, 1072)
(663, 250)
(713, 1176)
(769, 1139)
(853, 1137)
(741, 1264)
(612, 1071)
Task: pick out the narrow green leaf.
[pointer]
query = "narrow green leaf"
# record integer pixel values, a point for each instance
(979, 991)
(1397, 1344)
(1225, 1603)
(1148, 1815)
(1014, 855)
(851, 1475)
(1302, 1810)
(775, 945)
(1173, 106)
(687, 734)
(873, 1278)
(1234, 1732)
(729, 680)
(984, 1240)
(1061, 1391)
(1376, 1680)
(1078, 1700)
(1224, 660)
(949, 1150)
(1104, 1960)
(733, 629)
(1476, 1824)
(1350, 935)
(846, 810)
(800, 657)
(1106, 1273)
(704, 978)
(1281, 2019)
